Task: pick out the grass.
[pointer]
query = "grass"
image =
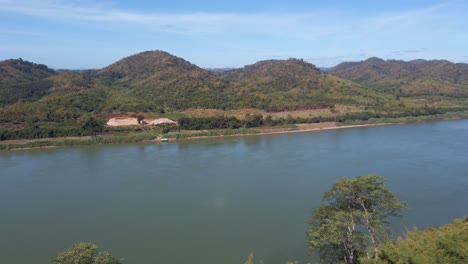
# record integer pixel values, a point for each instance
(213, 133)
(130, 138)
(412, 119)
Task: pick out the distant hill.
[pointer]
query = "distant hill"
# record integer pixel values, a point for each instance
(17, 71)
(278, 85)
(23, 80)
(166, 80)
(417, 77)
(156, 81)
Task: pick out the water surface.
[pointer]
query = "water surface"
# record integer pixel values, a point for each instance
(216, 200)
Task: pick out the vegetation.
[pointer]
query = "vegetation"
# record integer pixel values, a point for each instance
(37, 102)
(446, 244)
(413, 78)
(353, 205)
(84, 253)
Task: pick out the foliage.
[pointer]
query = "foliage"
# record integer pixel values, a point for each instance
(412, 78)
(26, 91)
(202, 123)
(18, 71)
(213, 133)
(140, 118)
(446, 244)
(36, 101)
(106, 258)
(84, 253)
(353, 205)
(83, 141)
(90, 125)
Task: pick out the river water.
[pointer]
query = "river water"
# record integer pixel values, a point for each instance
(217, 200)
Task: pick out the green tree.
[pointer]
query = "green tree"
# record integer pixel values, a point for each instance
(446, 244)
(89, 125)
(357, 210)
(84, 253)
(106, 258)
(140, 118)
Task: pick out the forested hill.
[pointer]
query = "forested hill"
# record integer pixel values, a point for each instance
(292, 84)
(23, 80)
(150, 67)
(158, 82)
(18, 71)
(165, 80)
(409, 78)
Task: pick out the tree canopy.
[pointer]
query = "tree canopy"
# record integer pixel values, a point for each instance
(446, 244)
(84, 253)
(356, 211)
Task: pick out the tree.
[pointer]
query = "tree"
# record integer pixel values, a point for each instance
(353, 205)
(140, 118)
(106, 258)
(84, 253)
(446, 244)
(89, 125)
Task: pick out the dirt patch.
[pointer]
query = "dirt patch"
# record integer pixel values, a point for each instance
(129, 121)
(316, 125)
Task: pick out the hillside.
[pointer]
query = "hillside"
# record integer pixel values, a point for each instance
(13, 72)
(23, 80)
(35, 98)
(408, 78)
(166, 80)
(292, 84)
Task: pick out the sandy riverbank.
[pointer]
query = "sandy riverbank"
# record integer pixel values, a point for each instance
(300, 128)
(50, 142)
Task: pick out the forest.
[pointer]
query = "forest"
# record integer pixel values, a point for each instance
(38, 102)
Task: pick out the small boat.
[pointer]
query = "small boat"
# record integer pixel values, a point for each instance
(164, 140)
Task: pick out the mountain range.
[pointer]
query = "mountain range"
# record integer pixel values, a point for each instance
(409, 78)
(156, 81)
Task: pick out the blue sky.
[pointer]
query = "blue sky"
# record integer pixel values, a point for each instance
(82, 34)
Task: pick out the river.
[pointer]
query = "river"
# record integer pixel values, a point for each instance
(216, 200)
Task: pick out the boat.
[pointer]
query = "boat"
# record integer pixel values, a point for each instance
(164, 140)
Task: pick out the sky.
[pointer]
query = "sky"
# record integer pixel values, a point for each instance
(85, 34)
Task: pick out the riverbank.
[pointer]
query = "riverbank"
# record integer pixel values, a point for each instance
(173, 136)
(299, 128)
(217, 133)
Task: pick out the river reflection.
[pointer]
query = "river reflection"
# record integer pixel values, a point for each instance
(217, 200)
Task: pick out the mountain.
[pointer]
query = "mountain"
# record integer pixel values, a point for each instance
(278, 85)
(23, 80)
(408, 78)
(165, 79)
(18, 71)
(156, 81)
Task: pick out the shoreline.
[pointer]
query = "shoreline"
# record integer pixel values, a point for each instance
(265, 131)
(283, 131)
(46, 143)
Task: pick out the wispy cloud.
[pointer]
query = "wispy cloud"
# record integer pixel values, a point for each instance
(317, 24)
(327, 36)
(188, 23)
